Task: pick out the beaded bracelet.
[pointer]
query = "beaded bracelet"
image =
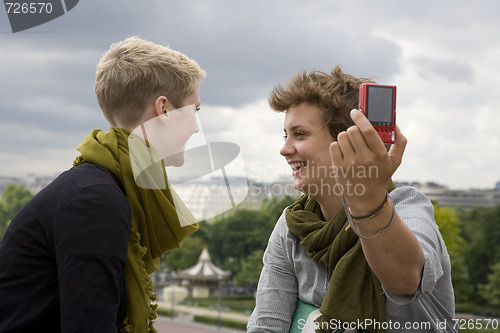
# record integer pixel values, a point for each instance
(377, 213)
(353, 225)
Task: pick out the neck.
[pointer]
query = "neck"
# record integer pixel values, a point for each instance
(330, 205)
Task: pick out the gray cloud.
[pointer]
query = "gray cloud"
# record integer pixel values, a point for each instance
(440, 52)
(448, 69)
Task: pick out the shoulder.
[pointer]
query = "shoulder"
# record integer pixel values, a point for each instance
(94, 208)
(87, 190)
(282, 239)
(282, 231)
(409, 194)
(417, 212)
(281, 227)
(411, 202)
(92, 187)
(86, 182)
(87, 177)
(88, 174)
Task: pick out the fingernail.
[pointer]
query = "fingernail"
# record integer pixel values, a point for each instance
(354, 111)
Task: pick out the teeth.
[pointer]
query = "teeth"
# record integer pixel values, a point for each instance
(297, 165)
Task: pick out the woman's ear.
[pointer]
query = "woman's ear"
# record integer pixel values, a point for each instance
(162, 105)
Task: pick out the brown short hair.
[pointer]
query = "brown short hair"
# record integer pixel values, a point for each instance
(134, 72)
(335, 93)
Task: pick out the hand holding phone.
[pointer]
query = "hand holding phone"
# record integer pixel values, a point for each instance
(378, 103)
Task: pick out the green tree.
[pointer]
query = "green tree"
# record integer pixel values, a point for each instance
(184, 257)
(274, 207)
(449, 226)
(234, 237)
(251, 267)
(490, 291)
(482, 249)
(13, 199)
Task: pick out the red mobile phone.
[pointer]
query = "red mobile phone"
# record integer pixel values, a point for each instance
(378, 103)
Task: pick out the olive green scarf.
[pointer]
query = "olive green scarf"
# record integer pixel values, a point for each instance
(157, 224)
(355, 293)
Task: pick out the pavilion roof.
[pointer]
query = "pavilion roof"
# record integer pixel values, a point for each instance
(204, 269)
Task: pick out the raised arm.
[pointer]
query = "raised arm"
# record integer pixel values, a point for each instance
(394, 255)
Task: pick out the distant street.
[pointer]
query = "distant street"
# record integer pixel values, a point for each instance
(166, 325)
(184, 323)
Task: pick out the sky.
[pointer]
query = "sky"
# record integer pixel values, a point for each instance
(442, 56)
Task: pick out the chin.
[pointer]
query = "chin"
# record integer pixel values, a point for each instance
(311, 187)
(300, 185)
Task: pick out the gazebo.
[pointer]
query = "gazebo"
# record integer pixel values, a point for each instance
(204, 278)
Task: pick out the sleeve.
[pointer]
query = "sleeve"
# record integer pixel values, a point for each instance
(417, 212)
(91, 238)
(277, 291)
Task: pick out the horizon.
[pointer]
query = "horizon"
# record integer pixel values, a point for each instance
(280, 178)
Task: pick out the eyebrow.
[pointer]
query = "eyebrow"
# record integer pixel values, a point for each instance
(295, 127)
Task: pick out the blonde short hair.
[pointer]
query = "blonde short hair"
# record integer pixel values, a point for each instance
(335, 93)
(134, 72)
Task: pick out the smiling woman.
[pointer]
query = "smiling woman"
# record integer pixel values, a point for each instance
(360, 254)
(307, 136)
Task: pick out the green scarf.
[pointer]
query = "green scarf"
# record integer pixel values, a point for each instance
(355, 293)
(157, 225)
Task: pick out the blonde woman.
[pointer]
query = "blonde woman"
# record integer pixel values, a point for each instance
(77, 257)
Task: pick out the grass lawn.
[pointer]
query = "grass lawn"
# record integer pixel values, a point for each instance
(236, 304)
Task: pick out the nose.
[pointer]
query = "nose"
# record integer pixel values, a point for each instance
(287, 148)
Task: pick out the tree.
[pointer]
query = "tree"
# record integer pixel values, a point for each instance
(274, 207)
(13, 199)
(250, 270)
(449, 227)
(482, 249)
(184, 257)
(490, 291)
(234, 237)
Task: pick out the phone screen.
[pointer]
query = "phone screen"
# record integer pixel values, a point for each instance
(379, 105)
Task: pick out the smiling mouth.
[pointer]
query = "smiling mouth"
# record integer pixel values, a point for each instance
(296, 166)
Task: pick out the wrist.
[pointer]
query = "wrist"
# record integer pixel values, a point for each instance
(372, 226)
(373, 215)
(379, 222)
(367, 205)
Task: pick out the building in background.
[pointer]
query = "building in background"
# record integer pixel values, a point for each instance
(203, 199)
(446, 197)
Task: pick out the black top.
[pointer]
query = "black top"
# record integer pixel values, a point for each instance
(63, 255)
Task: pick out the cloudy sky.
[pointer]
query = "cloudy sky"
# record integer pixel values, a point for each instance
(442, 55)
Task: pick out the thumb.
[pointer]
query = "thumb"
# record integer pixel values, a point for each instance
(398, 148)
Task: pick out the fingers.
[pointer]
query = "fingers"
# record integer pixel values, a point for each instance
(370, 136)
(350, 145)
(335, 153)
(358, 141)
(362, 140)
(345, 145)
